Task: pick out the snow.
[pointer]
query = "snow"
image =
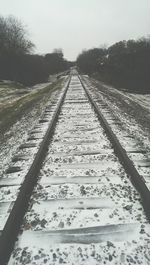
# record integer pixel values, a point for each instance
(84, 209)
(132, 136)
(18, 149)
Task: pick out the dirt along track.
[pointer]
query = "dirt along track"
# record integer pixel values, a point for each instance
(84, 208)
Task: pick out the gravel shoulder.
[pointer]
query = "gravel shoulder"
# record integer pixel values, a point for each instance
(20, 116)
(134, 109)
(136, 106)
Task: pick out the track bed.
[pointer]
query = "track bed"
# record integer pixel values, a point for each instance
(84, 208)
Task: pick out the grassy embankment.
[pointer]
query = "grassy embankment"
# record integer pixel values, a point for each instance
(13, 109)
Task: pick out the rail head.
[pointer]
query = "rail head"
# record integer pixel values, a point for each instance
(122, 155)
(14, 221)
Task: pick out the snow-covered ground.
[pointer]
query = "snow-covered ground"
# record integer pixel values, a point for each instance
(141, 99)
(130, 121)
(84, 209)
(18, 132)
(10, 93)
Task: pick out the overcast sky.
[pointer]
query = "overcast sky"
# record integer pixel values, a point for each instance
(74, 25)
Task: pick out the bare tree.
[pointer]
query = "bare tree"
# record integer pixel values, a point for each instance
(14, 37)
(17, 63)
(3, 35)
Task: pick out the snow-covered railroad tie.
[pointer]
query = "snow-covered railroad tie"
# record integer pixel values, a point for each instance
(84, 208)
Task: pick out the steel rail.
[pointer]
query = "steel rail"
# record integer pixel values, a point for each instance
(14, 221)
(135, 177)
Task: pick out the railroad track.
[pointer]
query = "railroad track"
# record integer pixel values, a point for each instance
(76, 203)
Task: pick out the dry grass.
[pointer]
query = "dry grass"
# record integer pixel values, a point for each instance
(11, 110)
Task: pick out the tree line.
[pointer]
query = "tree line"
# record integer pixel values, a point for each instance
(17, 61)
(125, 64)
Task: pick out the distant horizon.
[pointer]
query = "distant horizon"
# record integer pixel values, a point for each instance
(100, 46)
(79, 25)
